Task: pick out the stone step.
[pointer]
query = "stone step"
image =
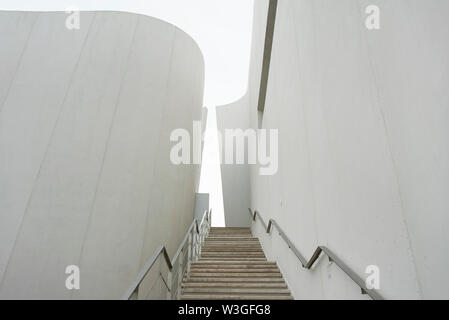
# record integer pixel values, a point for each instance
(235, 253)
(236, 274)
(229, 236)
(231, 270)
(213, 229)
(232, 259)
(228, 239)
(230, 228)
(236, 290)
(230, 245)
(246, 233)
(232, 263)
(255, 249)
(190, 284)
(232, 255)
(234, 297)
(230, 252)
(230, 249)
(230, 232)
(230, 266)
(232, 239)
(234, 280)
(230, 242)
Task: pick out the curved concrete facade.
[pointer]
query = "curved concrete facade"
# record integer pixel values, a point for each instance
(363, 144)
(235, 177)
(85, 173)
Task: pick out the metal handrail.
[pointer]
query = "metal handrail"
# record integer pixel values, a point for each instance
(163, 251)
(320, 249)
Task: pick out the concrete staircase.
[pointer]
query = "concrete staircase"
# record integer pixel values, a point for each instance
(233, 266)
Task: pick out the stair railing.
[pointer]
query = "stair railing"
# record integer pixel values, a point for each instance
(189, 251)
(319, 250)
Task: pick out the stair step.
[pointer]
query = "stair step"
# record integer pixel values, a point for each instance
(230, 228)
(230, 253)
(246, 233)
(236, 274)
(235, 280)
(236, 257)
(227, 256)
(233, 250)
(233, 263)
(230, 232)
(234, 297)
(231, 270)
(279, 285)
(234, 234)
(212, 238)
(229, 250)
(232, 245)
(230, 266)
(233, 266)
(212, 259)
(236, 290)
(231, 239)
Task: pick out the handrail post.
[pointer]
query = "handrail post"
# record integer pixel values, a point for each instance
(209, 222)
(189, 255)
(194, 245)
(180, 274)
(201, 237)
(169, 284)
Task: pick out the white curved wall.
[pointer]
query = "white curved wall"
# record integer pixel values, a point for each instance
(85, 174)
(363, 123)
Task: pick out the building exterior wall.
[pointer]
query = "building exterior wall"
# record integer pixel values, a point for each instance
(85, 171)
(234, 177)
(363, 123)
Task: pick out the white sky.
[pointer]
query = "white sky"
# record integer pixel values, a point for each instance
(223, 31)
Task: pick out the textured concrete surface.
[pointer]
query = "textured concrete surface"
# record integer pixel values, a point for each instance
(363, 164)
(85, 174)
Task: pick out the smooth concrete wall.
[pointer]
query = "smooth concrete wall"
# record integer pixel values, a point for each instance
(363, 123)
(235, 177)
(85, 172)
(201, 205)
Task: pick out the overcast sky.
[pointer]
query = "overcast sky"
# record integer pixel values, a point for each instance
(222, 29)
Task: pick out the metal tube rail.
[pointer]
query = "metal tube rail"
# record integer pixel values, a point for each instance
(170, 263)
(320, 249)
